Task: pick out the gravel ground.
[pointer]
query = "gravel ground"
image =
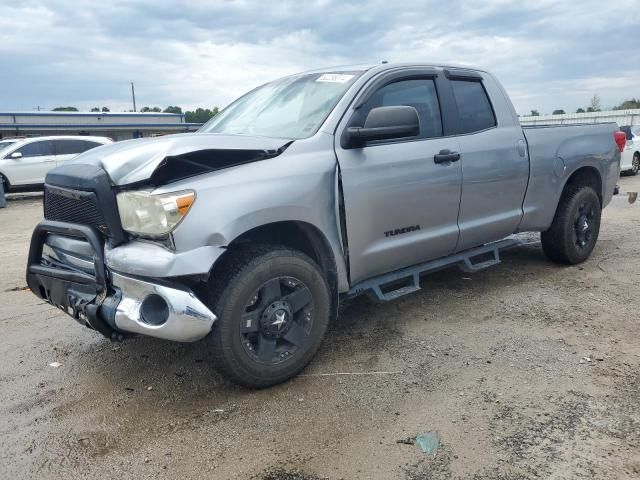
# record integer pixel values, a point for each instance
(525, 370)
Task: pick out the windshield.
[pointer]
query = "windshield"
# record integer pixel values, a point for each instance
(4, 145)
(292, 107)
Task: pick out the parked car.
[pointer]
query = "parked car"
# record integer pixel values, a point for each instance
(4, 143)
(307, 190)
(24, 163)
(630, 161)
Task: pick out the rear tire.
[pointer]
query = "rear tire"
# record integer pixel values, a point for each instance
(273, 306)
(575, 228)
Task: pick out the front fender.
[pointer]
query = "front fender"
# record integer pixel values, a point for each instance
(299, 185)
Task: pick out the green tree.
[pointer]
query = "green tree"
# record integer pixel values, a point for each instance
(559, 112)
(594, 104)
(172, 109)
(628, 104)
(95, 109)
(105, 109)
(150, 109)
(65, 109)
(200, 115)
(580, 110)
(535, 113)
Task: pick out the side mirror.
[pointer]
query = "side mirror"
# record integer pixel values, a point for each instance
(384, 123)
(15, 155)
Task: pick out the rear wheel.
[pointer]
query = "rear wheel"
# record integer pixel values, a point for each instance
(575, 228)
(273, 306)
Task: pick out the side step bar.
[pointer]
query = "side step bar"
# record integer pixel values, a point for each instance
(407, 280)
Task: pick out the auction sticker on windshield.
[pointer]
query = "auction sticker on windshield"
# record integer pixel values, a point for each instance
(334, 78)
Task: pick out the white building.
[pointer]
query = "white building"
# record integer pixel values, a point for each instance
(621, 117)
(118, 126)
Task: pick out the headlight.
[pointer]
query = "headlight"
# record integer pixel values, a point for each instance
(145, 214)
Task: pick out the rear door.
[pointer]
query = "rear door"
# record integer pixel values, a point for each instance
(401, 207)
(38, 157)
(494, 161)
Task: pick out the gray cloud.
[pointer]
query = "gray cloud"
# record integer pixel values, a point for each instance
(549, 54)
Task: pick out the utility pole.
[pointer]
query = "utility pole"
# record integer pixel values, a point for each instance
(133, 96)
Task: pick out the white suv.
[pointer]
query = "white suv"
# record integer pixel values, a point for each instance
(25, 162)
(630, 160)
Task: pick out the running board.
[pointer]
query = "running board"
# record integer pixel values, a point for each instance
(407, 280)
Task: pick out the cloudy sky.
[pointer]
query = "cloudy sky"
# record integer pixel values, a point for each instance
(549, 54)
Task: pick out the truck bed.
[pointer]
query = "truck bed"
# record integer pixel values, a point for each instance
(555, 152)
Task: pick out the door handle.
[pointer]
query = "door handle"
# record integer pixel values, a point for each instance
(446, 156)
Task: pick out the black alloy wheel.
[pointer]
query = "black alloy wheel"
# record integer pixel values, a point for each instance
(273, 306)
(277, 320)
(584, 226)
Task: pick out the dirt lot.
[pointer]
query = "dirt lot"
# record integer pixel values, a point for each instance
(526, 370)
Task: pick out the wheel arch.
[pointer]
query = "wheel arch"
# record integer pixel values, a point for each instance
(297, 235)
(585, 176)
(5, 178)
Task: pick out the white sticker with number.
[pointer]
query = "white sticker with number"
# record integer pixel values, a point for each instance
(334, 78)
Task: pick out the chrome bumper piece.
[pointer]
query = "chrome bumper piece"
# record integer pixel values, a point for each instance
(66, 268)
(187, 318)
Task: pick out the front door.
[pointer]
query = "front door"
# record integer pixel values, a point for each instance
(38, 157)
(401, 205)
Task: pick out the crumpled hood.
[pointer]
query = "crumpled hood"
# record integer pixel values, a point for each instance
(135, 161)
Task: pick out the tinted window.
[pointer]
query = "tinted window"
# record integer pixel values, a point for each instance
(474, 109)
(69, 147)
(37, 149)
(627, 130)
(420, 94)
(89, 145)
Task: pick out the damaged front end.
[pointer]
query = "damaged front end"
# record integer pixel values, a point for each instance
(66, 268)
(68, 264)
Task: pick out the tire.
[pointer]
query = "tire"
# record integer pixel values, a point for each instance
(635, 166)
(273, 307)
(575, 228)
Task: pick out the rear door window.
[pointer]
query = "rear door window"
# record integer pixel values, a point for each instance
(69, 147)
(474, 108)
(89, 145)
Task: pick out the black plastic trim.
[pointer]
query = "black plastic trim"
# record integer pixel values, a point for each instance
(448, 107)
(392, 77)
(71, 230)
(455, 74)
(92, 178)
(70, 290)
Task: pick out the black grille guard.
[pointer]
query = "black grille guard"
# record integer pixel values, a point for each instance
(78, 293)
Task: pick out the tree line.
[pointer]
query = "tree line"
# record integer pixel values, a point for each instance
(595, 106)
(199, 115)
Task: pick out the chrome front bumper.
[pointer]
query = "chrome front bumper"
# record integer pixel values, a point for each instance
(182, 317)
(66, 268)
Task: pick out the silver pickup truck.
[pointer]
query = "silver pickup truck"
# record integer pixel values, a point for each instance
(304, 191)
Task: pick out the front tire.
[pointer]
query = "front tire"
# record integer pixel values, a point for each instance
(575, 228)
(273, 306)
(635, 165)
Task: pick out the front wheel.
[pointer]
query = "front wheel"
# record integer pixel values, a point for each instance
(273, 307)
(635, 165)
(575, 228)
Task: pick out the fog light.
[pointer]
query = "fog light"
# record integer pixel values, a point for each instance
(154, 310)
